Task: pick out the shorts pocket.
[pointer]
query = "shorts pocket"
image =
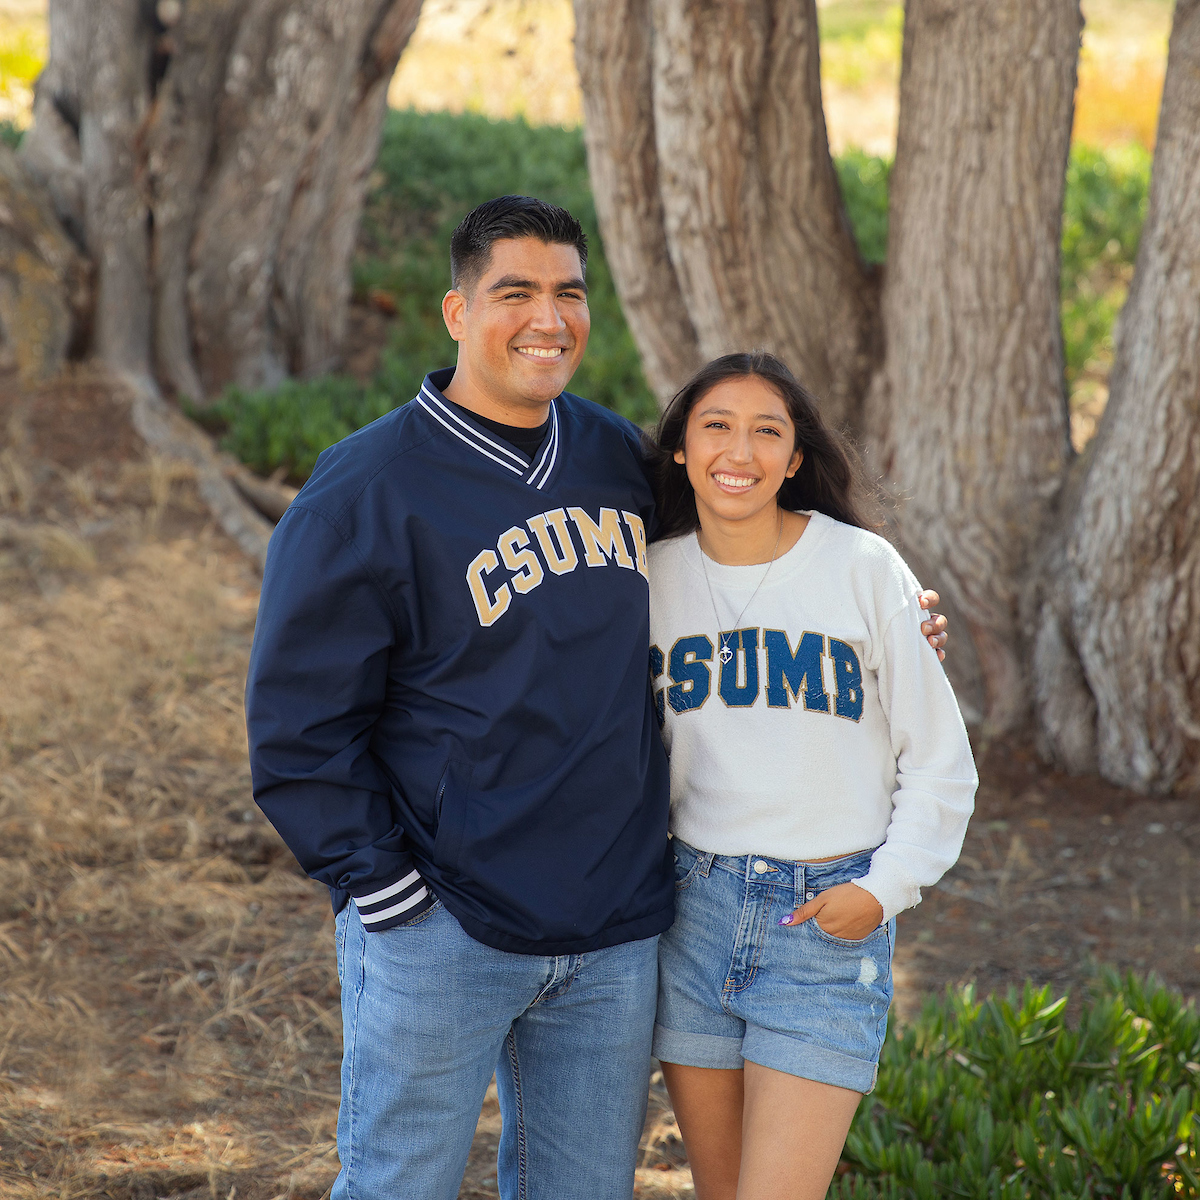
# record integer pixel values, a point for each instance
(834, 940)
(850, 869)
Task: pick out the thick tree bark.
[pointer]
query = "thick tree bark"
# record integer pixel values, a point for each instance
(754, 220)
(44, 280)
(614, 53)
(1120, 621)
(90, 105)
(215, 173)
(968, 413)
(180, 143)
(297, 131)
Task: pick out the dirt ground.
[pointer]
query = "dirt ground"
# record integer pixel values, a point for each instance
(168, 998)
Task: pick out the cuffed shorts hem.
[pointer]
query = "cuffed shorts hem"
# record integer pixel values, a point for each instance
(794, 1056)
(767, 1048)
(697, 1049)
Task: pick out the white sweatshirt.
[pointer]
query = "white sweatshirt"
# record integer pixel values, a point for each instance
(831, 728)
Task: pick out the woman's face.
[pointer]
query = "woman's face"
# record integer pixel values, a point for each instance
(738, 448)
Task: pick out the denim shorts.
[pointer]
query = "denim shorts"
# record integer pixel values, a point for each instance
(736, 985)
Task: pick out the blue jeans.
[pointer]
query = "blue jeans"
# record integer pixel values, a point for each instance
(428, 1014)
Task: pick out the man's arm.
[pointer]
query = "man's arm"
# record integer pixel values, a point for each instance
(935, 629)
(316, 687)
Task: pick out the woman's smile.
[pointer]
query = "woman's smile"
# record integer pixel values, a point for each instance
(734, 483)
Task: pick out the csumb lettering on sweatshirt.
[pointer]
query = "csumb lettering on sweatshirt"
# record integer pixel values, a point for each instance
(526, 556)
(819, 672)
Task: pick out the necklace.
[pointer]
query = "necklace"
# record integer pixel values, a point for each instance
(726, 654)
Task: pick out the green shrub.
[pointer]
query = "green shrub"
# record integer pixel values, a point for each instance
(290, 426)
(10, 135)
(1103, 214)
(1006, 1100)
(864, 182)
(434, 167)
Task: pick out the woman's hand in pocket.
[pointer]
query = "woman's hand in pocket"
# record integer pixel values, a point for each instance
(846, 911)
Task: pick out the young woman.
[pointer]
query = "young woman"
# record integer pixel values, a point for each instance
(820, 777)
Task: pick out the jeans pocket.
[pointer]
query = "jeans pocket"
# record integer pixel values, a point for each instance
(685, 871)
(340, 921)
(414, 921)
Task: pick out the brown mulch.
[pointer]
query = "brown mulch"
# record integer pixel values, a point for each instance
(1059, 874)
(168, 1001)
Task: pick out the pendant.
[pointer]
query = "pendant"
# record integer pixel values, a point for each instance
(726, 654)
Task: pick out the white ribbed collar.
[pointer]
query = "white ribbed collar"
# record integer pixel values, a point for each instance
(536, 472)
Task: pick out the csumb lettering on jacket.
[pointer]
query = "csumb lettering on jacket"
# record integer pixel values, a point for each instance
(822, 673)
(526, 555)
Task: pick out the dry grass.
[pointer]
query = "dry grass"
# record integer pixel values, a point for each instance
(169, 1016)
(503, 58)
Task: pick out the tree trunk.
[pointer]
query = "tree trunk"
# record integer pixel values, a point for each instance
(1118, 654)
(614, 53)
(968, 413)
(180, 145)
(44, 292)
(90, 105)
(214, 170)
(761, 245)
(296, 133)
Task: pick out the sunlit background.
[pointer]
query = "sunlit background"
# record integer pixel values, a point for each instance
(169, 1020)
(512, 61)
(514, 57)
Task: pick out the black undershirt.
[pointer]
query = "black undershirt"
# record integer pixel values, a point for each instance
(521, 438)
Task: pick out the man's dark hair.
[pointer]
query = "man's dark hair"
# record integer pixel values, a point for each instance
(508, 217)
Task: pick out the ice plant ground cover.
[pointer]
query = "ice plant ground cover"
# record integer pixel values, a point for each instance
(1004, 1098)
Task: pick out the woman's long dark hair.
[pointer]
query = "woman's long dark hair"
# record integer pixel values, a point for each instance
(830, 480)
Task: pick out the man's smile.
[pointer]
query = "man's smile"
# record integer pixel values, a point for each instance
(545, 352)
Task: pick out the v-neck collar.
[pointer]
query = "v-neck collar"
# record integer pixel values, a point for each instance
(457, 421)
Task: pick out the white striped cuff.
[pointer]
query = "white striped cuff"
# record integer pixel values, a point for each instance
(387, 906)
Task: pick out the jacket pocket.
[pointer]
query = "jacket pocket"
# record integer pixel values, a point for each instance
(450, 809)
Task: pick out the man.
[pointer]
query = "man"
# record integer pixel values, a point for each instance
(451, 726)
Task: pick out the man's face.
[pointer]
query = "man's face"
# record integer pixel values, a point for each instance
(523, 328)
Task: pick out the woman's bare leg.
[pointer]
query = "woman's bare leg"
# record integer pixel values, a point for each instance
(792, 1136)
(708, 1106)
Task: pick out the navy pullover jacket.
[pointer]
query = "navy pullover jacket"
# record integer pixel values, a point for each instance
(449, 690)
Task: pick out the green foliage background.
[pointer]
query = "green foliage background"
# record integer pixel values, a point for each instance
(1004, 1099)
(1103, 214)
(434, 167)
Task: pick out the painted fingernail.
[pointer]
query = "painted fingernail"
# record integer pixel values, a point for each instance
(786, 920)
